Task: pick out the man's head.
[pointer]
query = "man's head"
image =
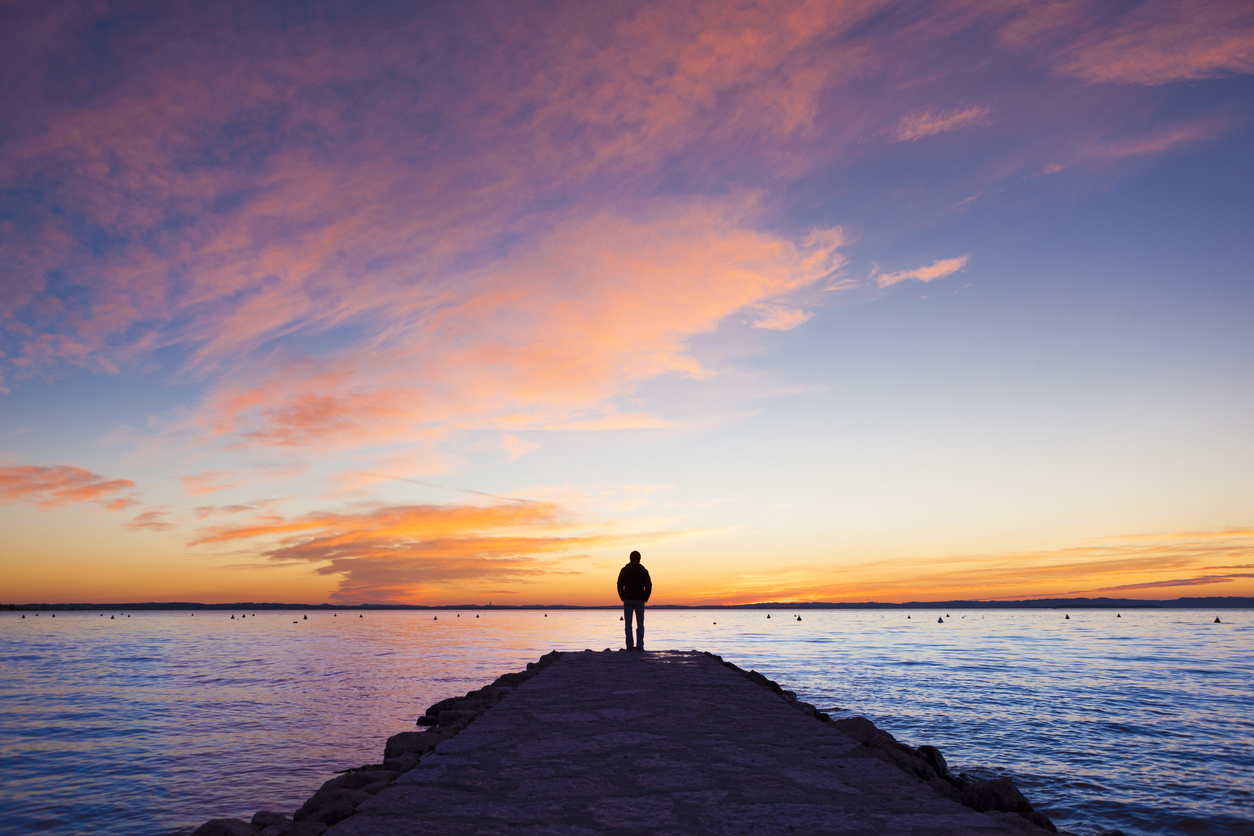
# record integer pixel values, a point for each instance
(635, 557)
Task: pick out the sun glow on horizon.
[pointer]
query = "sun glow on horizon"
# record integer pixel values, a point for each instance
(805, 301)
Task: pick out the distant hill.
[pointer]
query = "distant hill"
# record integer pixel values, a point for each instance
(1036, 603)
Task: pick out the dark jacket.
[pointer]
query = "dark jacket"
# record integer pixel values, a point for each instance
(634, 583)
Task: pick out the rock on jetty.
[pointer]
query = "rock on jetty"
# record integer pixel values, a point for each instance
(658, 742)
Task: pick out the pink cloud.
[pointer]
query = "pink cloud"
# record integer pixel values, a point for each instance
(1155, 141)
(779, 318)
(546, 338)
(455, 248)
(931, 272)
(929, 122)
(206, 482)
(1146, 43)
(47, 488)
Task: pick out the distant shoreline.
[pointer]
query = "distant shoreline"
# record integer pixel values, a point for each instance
(1037, 604)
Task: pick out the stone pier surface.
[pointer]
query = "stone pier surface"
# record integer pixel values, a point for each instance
(657, 742)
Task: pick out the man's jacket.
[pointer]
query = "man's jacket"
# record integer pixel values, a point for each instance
(634, 583)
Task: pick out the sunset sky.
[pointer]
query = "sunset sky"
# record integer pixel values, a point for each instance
(461, 302)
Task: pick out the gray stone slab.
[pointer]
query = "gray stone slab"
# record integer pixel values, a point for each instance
(656, 742)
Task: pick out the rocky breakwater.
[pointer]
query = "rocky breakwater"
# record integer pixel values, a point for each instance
(338, 798)
(604, 747)
(926, 763)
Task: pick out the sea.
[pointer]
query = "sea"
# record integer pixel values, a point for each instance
(149, 723)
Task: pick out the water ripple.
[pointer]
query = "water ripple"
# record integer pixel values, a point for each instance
(158, 722)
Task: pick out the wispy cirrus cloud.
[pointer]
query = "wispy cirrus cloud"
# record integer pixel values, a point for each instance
(936, 270)
(206, 482)
(929, 122)
(154, 519)
(1204, 580)
(546, 339)
(246, 214)
(48, 488)
(1143, 43)
(780, 318)
(1116, 564)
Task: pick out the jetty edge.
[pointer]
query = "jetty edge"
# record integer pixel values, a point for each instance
(672, 741)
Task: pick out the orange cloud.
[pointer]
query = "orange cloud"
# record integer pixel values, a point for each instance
(47, 488)
(1129, 563)
(154, 519)
(401, 553)
(1202, 581)
(936, 270)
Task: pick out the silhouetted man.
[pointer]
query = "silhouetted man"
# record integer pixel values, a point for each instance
(634, 588)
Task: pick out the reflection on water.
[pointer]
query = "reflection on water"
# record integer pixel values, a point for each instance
(147, 724)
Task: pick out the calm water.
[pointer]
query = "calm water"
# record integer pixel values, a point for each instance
(158, 721)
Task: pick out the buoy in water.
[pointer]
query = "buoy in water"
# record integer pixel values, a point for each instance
(1217, 621)
(907, 616)
(768, 615)
(546, 615)
(54, 615)
(1066, 618)
(940, 621)
(1117, 615)
(306, 618)
(798, 618)
(232, 618)
(435, 618)
(110, 617)
(360, 616)
(620, 618)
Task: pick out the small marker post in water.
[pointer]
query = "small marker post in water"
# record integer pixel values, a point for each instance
(1217, 621)
(940, 620)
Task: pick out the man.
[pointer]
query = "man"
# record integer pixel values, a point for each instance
(634, 588)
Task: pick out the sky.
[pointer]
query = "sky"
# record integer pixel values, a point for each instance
(461, 302)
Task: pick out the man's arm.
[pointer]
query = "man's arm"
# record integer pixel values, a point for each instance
(648, 584)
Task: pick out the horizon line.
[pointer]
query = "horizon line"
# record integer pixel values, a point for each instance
(972, 603)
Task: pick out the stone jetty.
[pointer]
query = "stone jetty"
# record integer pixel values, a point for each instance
(654, 742)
